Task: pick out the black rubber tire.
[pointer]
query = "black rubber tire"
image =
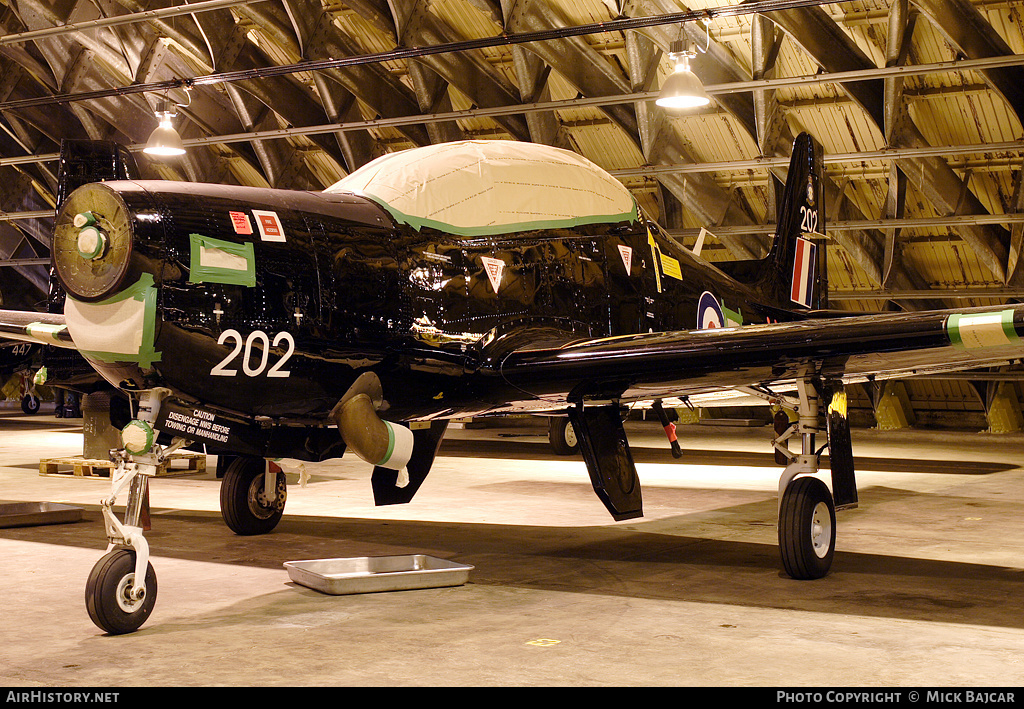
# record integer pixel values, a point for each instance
(29, 404)
(106, 590)
(561, 436)
(807, 546)
(240, 491)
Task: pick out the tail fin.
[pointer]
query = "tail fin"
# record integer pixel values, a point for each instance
(796, 269)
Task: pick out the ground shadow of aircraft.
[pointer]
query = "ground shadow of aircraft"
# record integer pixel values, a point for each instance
(461, 279)
(641, 561)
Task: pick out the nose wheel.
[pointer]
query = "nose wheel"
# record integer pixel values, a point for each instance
(115, 602)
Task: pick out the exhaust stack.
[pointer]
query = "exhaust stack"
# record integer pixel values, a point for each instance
(378, 442)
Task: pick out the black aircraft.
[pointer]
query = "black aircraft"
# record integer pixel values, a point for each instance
(463, 279)
(21, 358)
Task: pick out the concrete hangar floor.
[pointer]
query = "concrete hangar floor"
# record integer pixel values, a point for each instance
(926, 588)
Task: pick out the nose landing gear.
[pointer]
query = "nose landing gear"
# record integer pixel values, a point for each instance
(121, 589)
(115, 602)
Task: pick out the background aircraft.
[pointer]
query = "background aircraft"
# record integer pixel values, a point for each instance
(460, 279)
(23, 359)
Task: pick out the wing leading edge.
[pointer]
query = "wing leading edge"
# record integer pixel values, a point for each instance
(843, 348)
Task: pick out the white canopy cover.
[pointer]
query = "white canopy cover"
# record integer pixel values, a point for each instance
(481, 187)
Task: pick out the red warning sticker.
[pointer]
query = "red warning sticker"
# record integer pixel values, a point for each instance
(269, 225)
(240, 221)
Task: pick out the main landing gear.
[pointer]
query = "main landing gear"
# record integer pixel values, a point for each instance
(807, 507)
(252, 495)
(562, 436)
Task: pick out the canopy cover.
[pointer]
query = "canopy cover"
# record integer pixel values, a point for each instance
(481, 187)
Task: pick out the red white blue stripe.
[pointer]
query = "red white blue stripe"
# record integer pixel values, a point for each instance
(803, 272)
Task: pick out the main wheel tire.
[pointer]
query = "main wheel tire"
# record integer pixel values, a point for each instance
(108, 589)
(807, 529)
(243, 504)
(29, 404)
(562, 436)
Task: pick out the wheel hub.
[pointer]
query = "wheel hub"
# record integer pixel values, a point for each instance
(259, 505)
(821, 530)
(124, 594)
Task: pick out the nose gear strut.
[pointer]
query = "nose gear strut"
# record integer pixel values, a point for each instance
(121, 590)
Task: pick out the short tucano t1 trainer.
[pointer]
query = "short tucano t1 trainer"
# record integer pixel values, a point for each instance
(455, 280)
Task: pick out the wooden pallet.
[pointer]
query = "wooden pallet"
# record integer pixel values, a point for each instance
(79, 467)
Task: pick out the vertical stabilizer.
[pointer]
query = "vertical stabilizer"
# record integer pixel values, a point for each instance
(796, 274)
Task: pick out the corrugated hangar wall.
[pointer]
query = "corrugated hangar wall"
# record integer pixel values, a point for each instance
(918, 105)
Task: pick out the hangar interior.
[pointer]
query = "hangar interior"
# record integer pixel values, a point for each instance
(919, 106)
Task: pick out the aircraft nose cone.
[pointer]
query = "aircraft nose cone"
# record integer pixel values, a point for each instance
(92, 243)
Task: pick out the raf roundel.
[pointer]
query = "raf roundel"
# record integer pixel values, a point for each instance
(709, 312)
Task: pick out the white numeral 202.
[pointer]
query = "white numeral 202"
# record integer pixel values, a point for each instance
(809, 220)
(256, 336)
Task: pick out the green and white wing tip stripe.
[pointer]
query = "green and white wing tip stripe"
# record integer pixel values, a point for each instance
(49, 333)
(982, 330)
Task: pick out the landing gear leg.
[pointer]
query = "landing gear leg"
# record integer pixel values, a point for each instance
(121, 589)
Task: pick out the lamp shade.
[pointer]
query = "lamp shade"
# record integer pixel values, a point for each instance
(682, 89)
(164, 141)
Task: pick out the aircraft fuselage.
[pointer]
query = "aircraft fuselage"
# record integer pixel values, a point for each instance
(273, 302)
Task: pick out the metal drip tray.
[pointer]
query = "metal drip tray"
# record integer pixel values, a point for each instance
(31, 514)
(372, 574)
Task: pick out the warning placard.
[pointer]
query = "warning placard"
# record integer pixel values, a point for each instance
(626, 253)
(240, 221)
(494, 268)
(269, 225)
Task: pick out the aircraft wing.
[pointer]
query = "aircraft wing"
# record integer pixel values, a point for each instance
(28, 326)
(847, 348)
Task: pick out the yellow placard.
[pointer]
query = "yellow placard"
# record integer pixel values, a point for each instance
(671, 267)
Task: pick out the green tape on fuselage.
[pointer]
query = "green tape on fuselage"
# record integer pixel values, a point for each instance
(391, 445)
(217, 261)
(500, 228)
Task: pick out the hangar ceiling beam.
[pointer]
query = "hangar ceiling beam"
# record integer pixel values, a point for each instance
(320, 38)
(833, 49)
(646, 127)
(469, 71)
(532, 73)
(967, 29)
(116, 21)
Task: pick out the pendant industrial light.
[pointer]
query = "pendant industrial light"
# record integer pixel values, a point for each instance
(165, 141)
(682, 89)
